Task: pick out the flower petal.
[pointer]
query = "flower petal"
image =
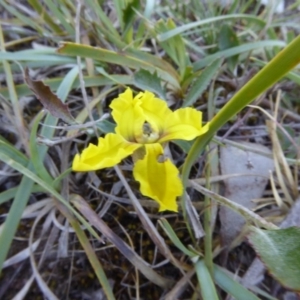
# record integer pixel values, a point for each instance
(110, 151)
(158, 179)
(183, 124)
(155, 110)
(127, 114)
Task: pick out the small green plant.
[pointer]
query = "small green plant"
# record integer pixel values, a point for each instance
(157, 71)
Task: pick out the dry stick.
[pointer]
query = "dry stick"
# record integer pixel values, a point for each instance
(79, 126)
(279, 160)
(272, 129)
(247, 148)
(286, 170)
(61, 140)
(137, 277)
(58, 140)
(86, 245)
(90, 65)
(123, 247)
(246, 213)
(81, 80)
(180, 286)
(255, 127)
(286, 112)
(44, 211)
(40, 281)
(63, 244)
(148, 225)
(274, 119)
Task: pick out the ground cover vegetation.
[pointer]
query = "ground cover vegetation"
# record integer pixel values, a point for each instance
(149, 150)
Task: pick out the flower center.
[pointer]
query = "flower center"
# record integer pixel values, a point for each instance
(148, 135)
(147, 130)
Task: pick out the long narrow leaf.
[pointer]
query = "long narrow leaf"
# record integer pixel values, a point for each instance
(11, 193)
(12, 152)
(245, 48)
(201, 83)
(89, 81)
(231, 286)
(133, 59)
(60, 16)
(37, 162)
(46, 186)
(185, 27)
(18, 205)
(208, 289)
(285, 61)
(88, 249)
(175, 240)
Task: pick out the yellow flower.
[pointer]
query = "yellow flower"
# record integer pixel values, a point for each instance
(145, 121)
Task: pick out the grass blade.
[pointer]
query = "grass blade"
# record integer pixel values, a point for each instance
(18, 205)
(201, 83)
(285, 61)
(135, 60)
(245, 48)
(208, 289)
(167, 35)
(174, 238)
(88, 249)
(231, 286)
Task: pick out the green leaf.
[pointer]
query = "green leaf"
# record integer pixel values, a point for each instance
(36, 160)
(29, 174)
(208, 289)
(231, 286)
(59, 11)
(129, 14)
(89, 81)
(227, 40)
(175, 240)
(103, 21)
(18, 205)
(245, 48)
(44, 56)
(174, 46)
(201, 83)
(279, 250)
(12, 152)
(38, 7)
(11, 193)
(106, 126)
(25, 20)
(184, 145)
(291, 75)
(150, 82)
(169, 34)
(149, 8)
(131, 58)
(118, 7)
(169, 45)
(284, 62)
